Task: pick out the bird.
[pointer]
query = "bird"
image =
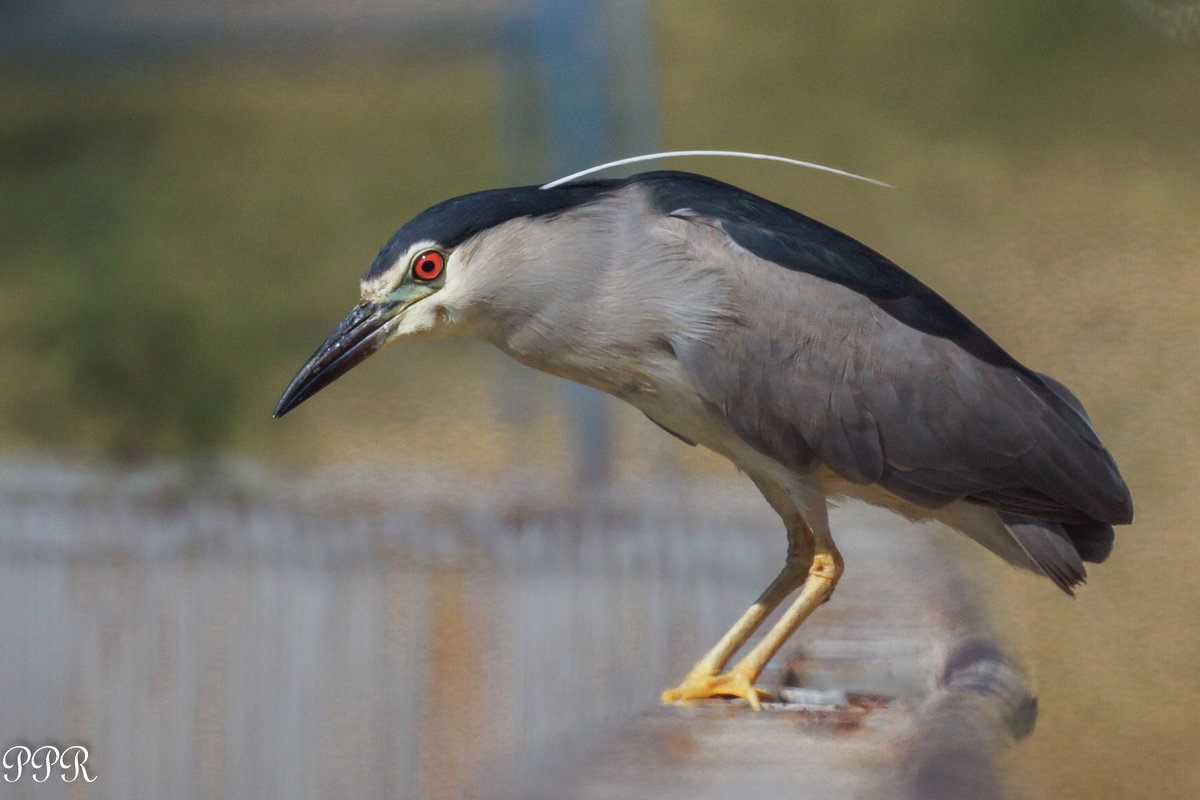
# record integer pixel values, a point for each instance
(819, 367)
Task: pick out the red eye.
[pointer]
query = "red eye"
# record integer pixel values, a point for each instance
(429, 265)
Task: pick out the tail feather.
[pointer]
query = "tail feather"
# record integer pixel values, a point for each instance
(1052, 548)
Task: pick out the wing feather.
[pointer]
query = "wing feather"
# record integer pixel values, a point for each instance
(844, 359)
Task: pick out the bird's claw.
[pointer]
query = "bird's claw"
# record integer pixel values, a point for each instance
(728, 684)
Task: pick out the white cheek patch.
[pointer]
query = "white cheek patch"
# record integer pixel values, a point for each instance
(377, 289)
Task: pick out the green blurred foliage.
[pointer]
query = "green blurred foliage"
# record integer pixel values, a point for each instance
(170, 231)
(176, 228)
(122, 359)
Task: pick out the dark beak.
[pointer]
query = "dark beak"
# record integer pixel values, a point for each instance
(359, 335)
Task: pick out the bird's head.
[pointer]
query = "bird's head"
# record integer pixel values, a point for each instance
(432, 274)
(455, 257)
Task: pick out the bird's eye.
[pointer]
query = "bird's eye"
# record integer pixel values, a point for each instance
(428, 266)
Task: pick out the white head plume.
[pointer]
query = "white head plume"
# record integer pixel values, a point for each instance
(720, 153)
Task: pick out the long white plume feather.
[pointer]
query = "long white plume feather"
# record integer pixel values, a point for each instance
(723, 153)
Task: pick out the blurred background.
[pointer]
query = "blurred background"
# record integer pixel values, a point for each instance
(190, 192)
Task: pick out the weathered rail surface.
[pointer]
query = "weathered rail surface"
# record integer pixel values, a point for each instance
(259, 638)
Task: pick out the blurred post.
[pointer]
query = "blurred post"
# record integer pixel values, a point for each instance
(596, 77)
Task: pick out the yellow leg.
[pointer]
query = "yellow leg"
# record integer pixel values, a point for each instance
(818, 586)
(813, 565)
(706, 680)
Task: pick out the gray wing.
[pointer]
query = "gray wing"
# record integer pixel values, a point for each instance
(880, 403)
(845, 359)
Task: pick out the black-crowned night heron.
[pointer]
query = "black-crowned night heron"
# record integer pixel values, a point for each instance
(816, 365)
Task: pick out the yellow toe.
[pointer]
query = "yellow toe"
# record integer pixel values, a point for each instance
(729, 684)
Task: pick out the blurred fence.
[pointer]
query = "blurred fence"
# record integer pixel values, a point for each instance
(210, 643)
(205, 637)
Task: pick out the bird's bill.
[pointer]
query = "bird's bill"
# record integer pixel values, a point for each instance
(360, 334)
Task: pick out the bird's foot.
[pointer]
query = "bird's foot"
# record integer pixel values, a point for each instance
(735, 683)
